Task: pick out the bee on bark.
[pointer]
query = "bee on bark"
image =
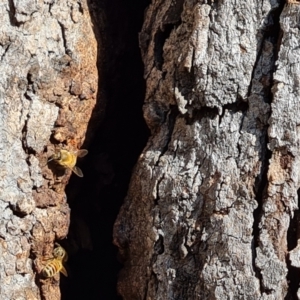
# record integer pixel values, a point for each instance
(68, 159)
(53, 267)
(55, 264)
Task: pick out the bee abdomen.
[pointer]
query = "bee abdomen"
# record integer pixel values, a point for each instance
(52, 268)
(67, 159)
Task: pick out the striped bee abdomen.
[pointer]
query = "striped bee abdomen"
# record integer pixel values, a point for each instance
(52, 267)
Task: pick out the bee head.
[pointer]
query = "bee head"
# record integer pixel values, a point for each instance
(55, 156)
(60, 253)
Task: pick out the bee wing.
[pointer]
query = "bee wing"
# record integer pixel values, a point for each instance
(50, 158)
(64, 271)
(82, 153)
(77, 171)
(65, 257)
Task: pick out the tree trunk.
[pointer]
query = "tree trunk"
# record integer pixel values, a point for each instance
(209, 211)
(48, 90)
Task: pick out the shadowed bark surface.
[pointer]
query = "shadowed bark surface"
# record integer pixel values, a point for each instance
(212, 196)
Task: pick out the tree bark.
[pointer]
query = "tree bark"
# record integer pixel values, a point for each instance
(213, 194)
(48, 90)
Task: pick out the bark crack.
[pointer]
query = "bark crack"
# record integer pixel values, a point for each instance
(261, 183)
(159, 40)
(171, 118)
(80, 9)
(293, 235)
(12, 14)
(6, 47)
(63, 34)
(270, 34)
(203, 112)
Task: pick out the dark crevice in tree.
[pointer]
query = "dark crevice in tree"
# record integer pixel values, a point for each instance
(271, 34)
(12, 14)
(279, 39)
(5, 47)
(80, 7)
(212, 112)
(294, 229)
(16, 212)
(259, 52)
(172, 20)
(239, 105)
(115, 138)
(159, 41)
(275, 31)
(30, 81)
(204, 112)
(293, 234)
(274, 34)
(62, 27)
(28, 150)
(159, 247)
(293, 278)
(261, 183)
(212, 2)
(50, 7)
(170, 119)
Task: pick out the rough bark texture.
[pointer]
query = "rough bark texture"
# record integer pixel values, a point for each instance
(48, 90)
(207, 212)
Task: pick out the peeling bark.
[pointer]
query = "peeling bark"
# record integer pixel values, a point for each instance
(48, 89)
(213, 193)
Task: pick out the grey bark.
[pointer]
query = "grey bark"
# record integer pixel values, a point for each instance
(48, 89)
(207, 211)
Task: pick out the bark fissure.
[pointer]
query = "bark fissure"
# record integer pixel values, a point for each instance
(274, 223)
(160, 37)
(12, 14)
(171, 117)
(271, 34)
(199, 114)
(6, 48)
(261, 184)
(293, 235)
(63, 35)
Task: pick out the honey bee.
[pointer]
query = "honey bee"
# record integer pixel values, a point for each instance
(53, 267)
(68, 159)
(55, 264)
